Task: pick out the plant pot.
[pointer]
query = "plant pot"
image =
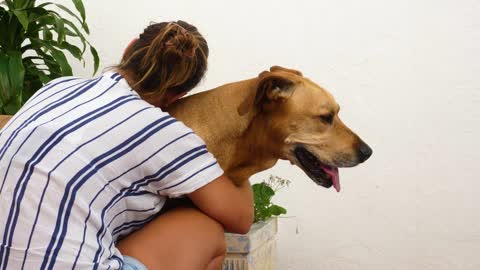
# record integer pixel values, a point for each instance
(255, 250)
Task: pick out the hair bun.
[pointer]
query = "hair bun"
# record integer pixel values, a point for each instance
(181, 41)
(167, 56)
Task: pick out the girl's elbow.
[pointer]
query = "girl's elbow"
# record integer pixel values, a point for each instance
(243, 223)
(244, 228)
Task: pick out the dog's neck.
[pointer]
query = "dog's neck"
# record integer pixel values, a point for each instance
(239, 142)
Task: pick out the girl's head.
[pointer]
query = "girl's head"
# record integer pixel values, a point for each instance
(165, 62)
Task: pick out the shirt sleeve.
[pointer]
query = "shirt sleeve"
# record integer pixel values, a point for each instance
(186, 163)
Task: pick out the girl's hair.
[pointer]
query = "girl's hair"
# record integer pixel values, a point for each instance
(167, 56)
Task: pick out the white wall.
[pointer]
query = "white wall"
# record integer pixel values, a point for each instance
(407, 75)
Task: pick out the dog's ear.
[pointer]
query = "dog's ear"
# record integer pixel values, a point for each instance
(279, 68)
(271, 87)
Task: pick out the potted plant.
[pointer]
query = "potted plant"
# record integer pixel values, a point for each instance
(34, 39)
(256, 250)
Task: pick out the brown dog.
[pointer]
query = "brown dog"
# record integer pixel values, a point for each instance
(249, 125)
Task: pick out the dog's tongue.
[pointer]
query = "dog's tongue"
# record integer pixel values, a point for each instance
(334, 176)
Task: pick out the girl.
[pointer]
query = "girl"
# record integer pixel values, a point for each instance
(87, 165)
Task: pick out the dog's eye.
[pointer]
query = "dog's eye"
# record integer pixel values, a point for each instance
(328, 118)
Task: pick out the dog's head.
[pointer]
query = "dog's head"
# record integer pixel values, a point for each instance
(302, 118)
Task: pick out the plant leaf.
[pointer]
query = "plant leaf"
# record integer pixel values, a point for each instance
(42, 33)
(71, 13)
(53, 66)
(79, 6)
(59, 57)
(11, 81)
(82, 22)
(35, 13)
(22, 18)
(96, 59)
(74, 50)
(79, 34)
(4, 25)
(12, 107)
(40, 19)
(276, 210)
(20, 4)
(62, 61)
(4, 80)
(16, 71)
(60, 29)
(264, 190)
(262, 195)
(33, 71)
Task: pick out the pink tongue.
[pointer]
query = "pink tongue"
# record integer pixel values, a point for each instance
(333, 172)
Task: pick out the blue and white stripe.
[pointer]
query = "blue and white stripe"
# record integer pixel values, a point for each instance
(42, 151)
(87, 161)
(50, 107)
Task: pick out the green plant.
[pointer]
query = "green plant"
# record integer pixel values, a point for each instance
(33, 42)
(263, 193)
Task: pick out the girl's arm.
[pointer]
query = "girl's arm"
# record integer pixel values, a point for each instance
(227, 203)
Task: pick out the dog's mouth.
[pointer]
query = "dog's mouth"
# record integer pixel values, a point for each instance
(322, 174)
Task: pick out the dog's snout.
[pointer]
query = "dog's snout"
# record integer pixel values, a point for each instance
(364, 152)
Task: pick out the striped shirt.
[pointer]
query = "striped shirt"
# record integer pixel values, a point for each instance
(85, 162)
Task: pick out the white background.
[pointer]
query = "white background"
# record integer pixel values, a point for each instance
(407, 75)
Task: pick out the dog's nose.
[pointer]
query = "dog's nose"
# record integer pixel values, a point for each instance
(364, 152)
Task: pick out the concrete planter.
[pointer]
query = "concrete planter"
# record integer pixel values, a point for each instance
(255, 250)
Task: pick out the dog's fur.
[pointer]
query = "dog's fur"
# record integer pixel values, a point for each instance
(249, 125)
